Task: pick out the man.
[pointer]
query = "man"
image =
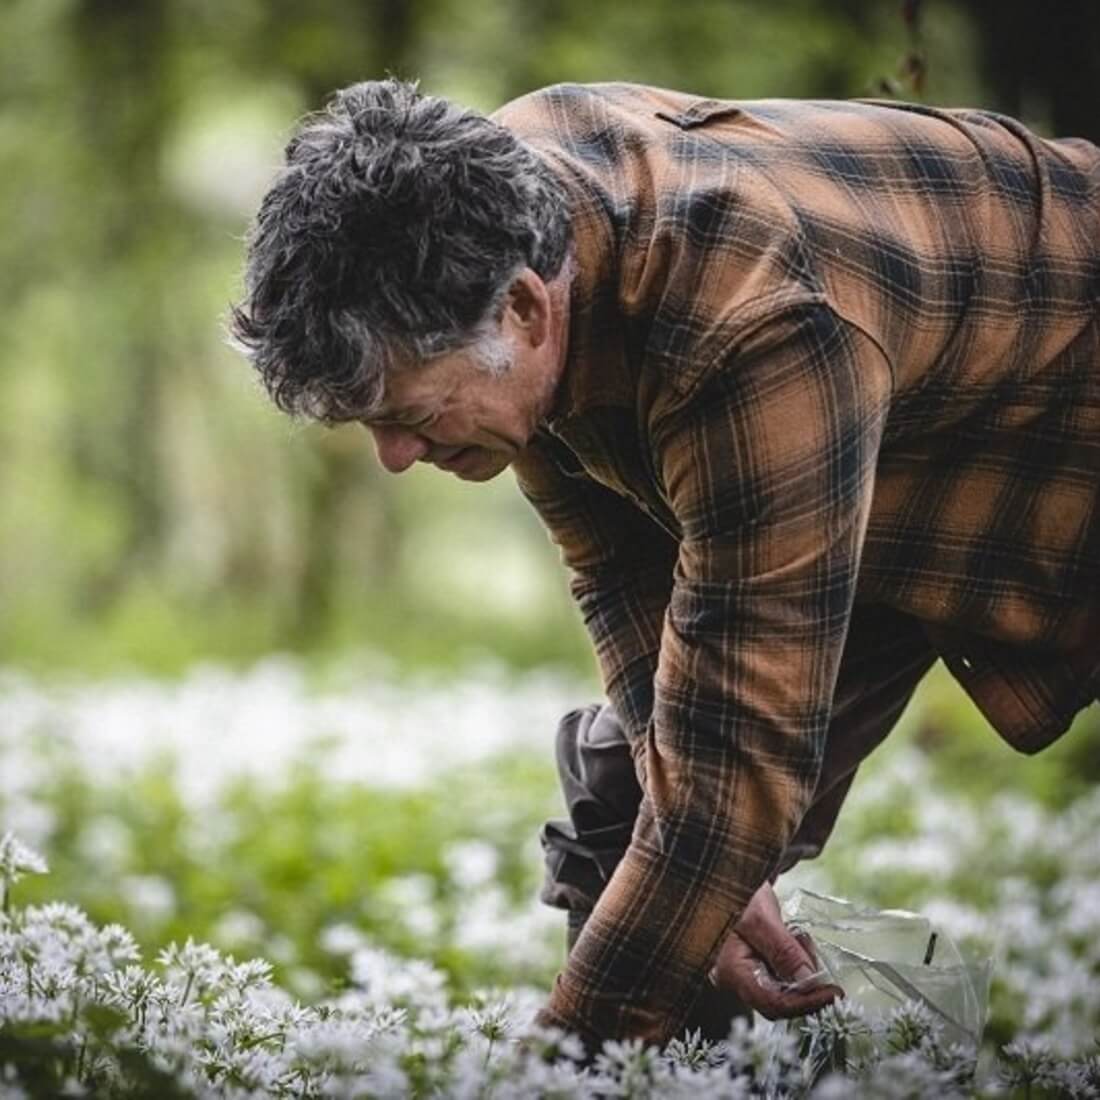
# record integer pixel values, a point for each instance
(808, 394)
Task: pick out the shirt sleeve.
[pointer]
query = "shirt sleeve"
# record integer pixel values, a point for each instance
(886, 655)
(769, 469)
(621, 564)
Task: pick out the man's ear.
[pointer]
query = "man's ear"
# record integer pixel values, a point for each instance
(527, 309)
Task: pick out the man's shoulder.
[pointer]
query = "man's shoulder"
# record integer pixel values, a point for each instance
(568, 106)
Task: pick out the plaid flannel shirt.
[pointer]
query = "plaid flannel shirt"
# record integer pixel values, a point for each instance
(831, 409)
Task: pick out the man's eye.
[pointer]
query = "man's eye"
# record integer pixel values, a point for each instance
(410, 422)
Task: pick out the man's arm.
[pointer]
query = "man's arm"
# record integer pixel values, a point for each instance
(770, 472)
(886, 655)
(621, 564)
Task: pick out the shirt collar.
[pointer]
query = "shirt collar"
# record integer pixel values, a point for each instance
(596, 370)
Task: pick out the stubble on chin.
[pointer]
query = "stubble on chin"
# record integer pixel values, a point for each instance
(491, 465)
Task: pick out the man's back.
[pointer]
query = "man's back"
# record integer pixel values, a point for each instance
(962, 246)
(908, 220)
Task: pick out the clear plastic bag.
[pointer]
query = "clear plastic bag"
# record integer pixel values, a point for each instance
(882, 958)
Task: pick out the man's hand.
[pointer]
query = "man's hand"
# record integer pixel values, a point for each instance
(761, 958)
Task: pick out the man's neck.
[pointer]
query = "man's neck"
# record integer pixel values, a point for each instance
(560, 297)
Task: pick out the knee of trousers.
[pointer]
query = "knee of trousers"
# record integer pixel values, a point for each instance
(601, 793)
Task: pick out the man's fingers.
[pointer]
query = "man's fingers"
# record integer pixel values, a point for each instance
(771, 938)
(807, 942)
(762, 926)
(763, 994)
(742, 969)
(782, 1006)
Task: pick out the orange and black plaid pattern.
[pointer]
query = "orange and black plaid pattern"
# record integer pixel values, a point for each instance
(834, 369)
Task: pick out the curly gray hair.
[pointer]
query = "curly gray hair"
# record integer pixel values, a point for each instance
(392, 234)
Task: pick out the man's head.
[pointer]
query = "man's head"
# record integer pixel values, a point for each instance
(405, 271)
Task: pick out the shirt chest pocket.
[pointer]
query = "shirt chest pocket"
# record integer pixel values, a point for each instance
(700, 112)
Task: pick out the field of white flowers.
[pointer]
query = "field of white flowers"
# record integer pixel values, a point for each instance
(261, 884)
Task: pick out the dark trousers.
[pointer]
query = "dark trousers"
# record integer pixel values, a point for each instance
(602, 795)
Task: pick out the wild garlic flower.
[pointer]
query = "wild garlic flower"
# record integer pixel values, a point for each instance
(16, 860)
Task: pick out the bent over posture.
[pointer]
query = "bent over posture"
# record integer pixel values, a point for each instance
(808, 395)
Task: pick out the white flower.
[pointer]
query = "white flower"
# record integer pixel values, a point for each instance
(492, 1022)
(238, 927)
(693, 1052)
(106, 842)
(132, 988)
(193, 970)
(17, 860)
(768, 1052)
(341, 939)
(414, 898)
(386, 979)
(910, 1076)
(151, 897)
(471, 863)
(525, 938)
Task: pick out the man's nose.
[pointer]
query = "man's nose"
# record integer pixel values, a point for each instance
(398, 448)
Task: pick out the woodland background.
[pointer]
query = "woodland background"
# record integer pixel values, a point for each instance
(155, 509)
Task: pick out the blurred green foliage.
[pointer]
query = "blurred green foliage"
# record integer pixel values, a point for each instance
(285, 860)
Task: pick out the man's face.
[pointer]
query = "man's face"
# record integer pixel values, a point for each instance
(451, 412)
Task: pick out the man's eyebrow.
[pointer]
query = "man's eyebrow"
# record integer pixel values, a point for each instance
(393, 416)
